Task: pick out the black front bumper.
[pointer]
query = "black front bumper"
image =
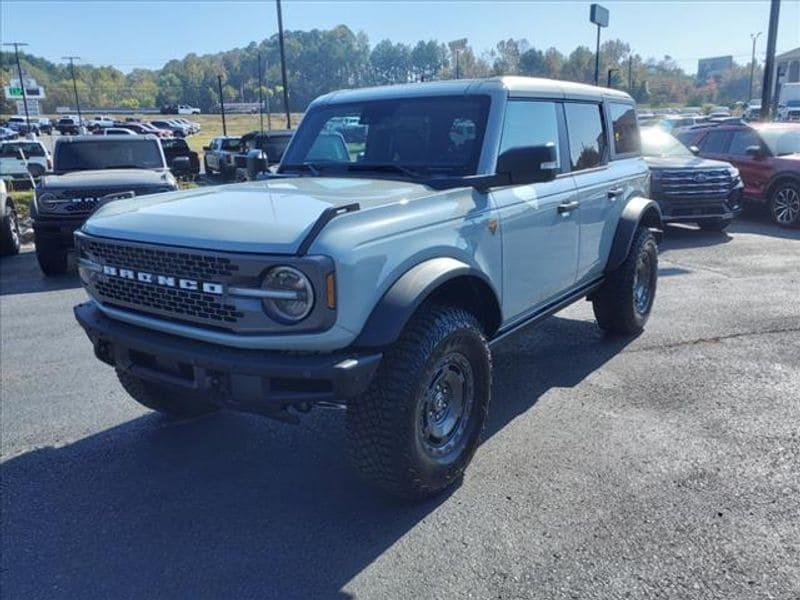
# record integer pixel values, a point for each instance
(265, 382)
(59, 230)
(692, 210)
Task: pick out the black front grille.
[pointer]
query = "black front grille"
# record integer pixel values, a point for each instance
(695, 184)
(181, 303)
(172, 262)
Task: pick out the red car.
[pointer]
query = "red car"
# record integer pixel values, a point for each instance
(768, 158)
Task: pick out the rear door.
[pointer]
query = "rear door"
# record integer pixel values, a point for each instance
(594, 182)
(540, 237)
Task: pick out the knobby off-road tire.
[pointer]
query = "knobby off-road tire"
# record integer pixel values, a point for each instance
(416, 428)
(9, 232)
(51, 255)
(623, 304)
(169, 400)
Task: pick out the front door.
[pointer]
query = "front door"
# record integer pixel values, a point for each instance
(539, 223)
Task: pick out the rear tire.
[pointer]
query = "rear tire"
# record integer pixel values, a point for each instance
(51, 255)
(784, 204)
(623, 303)
(714, 225)
(416, 428)
(9, 232)
(168, 400)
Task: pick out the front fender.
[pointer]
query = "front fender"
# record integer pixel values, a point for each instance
(403, 298)
(639, 211)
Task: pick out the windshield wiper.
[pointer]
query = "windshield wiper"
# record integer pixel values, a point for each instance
(126, 167)
(385, 167)
(311, 167)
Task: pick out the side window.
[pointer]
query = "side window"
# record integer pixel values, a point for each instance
(625, 128)
(715, 142)
(587, 136)
(530, 124)
(741, 140)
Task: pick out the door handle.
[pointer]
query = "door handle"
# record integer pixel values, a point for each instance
(568, 207)
(614, 192)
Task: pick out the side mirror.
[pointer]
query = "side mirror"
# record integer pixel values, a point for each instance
(754, 151)
(694, 150)
(181, 164)
(256, 163)
(529, 164)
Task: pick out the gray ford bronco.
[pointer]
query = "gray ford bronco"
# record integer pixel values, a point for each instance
(374, 274)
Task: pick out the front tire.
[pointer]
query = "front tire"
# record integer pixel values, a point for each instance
(51, 255)
(416, 428)
(784, 204)
(168, 400)
(623, 304)
(9, 232)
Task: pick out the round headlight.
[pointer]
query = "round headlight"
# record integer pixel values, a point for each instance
(290, 296)
(47, 198)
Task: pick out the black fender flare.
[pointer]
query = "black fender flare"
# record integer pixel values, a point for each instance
(407, 293)
(639, 211)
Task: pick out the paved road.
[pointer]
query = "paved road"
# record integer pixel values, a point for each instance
(666, 466)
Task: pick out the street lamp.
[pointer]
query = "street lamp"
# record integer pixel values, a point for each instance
(72, 60)
(599, 16)
(457, 46)
(283, 66)
(754, 37)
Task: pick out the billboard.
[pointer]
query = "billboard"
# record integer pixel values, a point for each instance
(713, 67)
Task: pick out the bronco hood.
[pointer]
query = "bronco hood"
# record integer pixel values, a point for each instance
(271, 216)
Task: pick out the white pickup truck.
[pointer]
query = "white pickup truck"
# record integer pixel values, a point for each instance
(18, 158)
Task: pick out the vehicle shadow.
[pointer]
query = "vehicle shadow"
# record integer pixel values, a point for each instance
(681, 237)
(761, 224)
(233, 505)
(20, 274)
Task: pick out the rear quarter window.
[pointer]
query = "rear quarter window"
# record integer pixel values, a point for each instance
(625, 129)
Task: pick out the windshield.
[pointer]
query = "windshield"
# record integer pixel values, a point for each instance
(108, 154)
(409, 137)
(28, 149)
(782, 141)
(657, 142)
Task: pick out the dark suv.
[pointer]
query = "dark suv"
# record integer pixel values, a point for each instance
(768, 158)
(89, 171)
(688, 188)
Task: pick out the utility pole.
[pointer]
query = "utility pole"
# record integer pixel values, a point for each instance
(260, 95)
(769, 63)
(283, 67)
(21, 81)
(630, 74)
(72, 60)
(457, 73)
(610, 75)
(222, 105)
(754, 37)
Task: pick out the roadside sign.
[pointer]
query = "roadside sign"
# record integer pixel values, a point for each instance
(598, 15)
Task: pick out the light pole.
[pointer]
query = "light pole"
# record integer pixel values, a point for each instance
(754, 37)
(21, 82)
(283, 67)
(72, 60)
(599, 16)
(260, 95)
(457, 46)
(222, 106)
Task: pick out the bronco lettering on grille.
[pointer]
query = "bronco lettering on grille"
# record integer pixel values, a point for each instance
(207, 287)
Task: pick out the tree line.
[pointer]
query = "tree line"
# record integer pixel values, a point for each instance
(319, 61)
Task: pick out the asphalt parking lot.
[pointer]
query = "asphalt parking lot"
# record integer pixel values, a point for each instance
(666, 466)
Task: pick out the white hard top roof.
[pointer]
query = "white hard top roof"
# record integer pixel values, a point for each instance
(511, 86)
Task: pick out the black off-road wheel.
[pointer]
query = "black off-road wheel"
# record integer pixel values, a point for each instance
(714, 225)
(51, 255)
(784, 204)
(623, 304)
(9, 231)
(169, 400)
(416, 428)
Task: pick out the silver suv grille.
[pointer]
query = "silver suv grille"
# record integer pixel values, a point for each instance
(695, 184)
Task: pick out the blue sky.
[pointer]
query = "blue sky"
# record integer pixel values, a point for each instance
(130, 34)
